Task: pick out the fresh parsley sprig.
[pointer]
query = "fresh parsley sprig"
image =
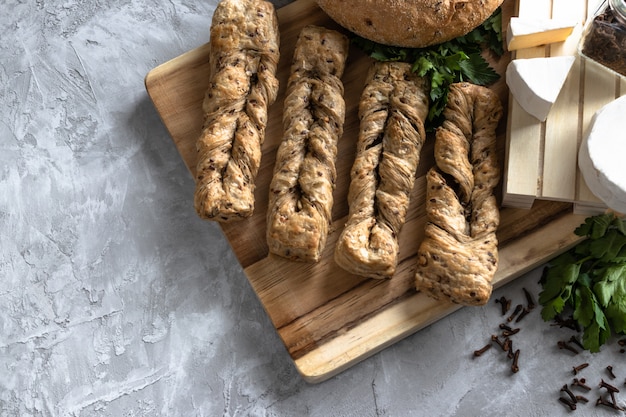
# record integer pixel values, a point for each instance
(453, 61)
(590, 280)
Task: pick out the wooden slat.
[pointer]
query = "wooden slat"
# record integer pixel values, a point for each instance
(525, 138)
(562, 132)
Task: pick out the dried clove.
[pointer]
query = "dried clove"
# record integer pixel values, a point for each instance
(602, 401)
(518, 309)
(621, 342)
(612, 390)
(566, 390)
(508, 344)
(511, 332)
(575, 341)
(482, 350)
(530, 302)
(609, 369)
(514, 365)
(577, 369)
(505, 326)
(505, 304)
(523, 314)
(581, 383)
(496, 339)
(607, 386)
(564, 345)
(582, 399)
(571, 404)
(569, 323)
(612, 404)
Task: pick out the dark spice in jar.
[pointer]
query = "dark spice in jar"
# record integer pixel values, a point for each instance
(605, 41)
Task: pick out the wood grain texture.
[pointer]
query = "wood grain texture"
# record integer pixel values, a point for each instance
(327, 318)
(525, 140)
(563, 135)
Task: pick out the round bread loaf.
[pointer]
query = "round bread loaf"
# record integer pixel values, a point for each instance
(409, 23)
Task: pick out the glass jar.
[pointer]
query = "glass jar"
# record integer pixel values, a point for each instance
(604, 39)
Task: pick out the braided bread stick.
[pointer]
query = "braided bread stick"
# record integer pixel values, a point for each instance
(459, 254)
(392, 110)
(301, 191)
(242, 85)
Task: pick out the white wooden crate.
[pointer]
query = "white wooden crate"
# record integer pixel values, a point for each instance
(542, 157)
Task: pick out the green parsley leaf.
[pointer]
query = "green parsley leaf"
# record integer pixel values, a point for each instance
(558, 283)
(477, 70)
(616, 313)
(584, 308)
(591, 280)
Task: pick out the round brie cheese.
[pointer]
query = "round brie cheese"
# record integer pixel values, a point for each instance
(602, 155)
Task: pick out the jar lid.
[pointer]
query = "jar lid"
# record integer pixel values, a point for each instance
(620, 9)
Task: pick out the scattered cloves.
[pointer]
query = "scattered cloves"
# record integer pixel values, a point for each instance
(564, 345)
(505, 304)
(612, 390)
(529, 299)
(482, 350)
(577, 369)
(508, 344)
(602, 401)
(575, 341)
(496, 339)
(506, 327)
(569, 403)
(523, 314)
(608, 387)
(518, 309)
(511, 332)
(605, 402)
(581, 383)
(582, 399)
(569, 323)
(514, 365)
(609, 369)
(566, 390)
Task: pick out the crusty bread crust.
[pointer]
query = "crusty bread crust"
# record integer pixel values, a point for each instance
(458, 257)
(393, 107)
(242, 85)
(409, 23)
(299, 212)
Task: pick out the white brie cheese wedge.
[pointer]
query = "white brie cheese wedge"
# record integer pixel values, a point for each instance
(601, 155)
(526, 33)
(536, 82)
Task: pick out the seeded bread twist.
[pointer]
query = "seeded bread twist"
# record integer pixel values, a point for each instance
(458, 257)
(243, 57)
(301, 192)
(392, 110)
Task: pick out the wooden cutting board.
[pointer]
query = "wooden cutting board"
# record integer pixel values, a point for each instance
(329, 319)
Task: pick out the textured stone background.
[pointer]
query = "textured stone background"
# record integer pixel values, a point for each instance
(116, 300)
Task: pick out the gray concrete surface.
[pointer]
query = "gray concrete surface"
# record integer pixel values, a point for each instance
(116, 300)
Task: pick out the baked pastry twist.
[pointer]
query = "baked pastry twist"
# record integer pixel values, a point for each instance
(244, 55)
(392, 110)
(459, 254)
(301, 192)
